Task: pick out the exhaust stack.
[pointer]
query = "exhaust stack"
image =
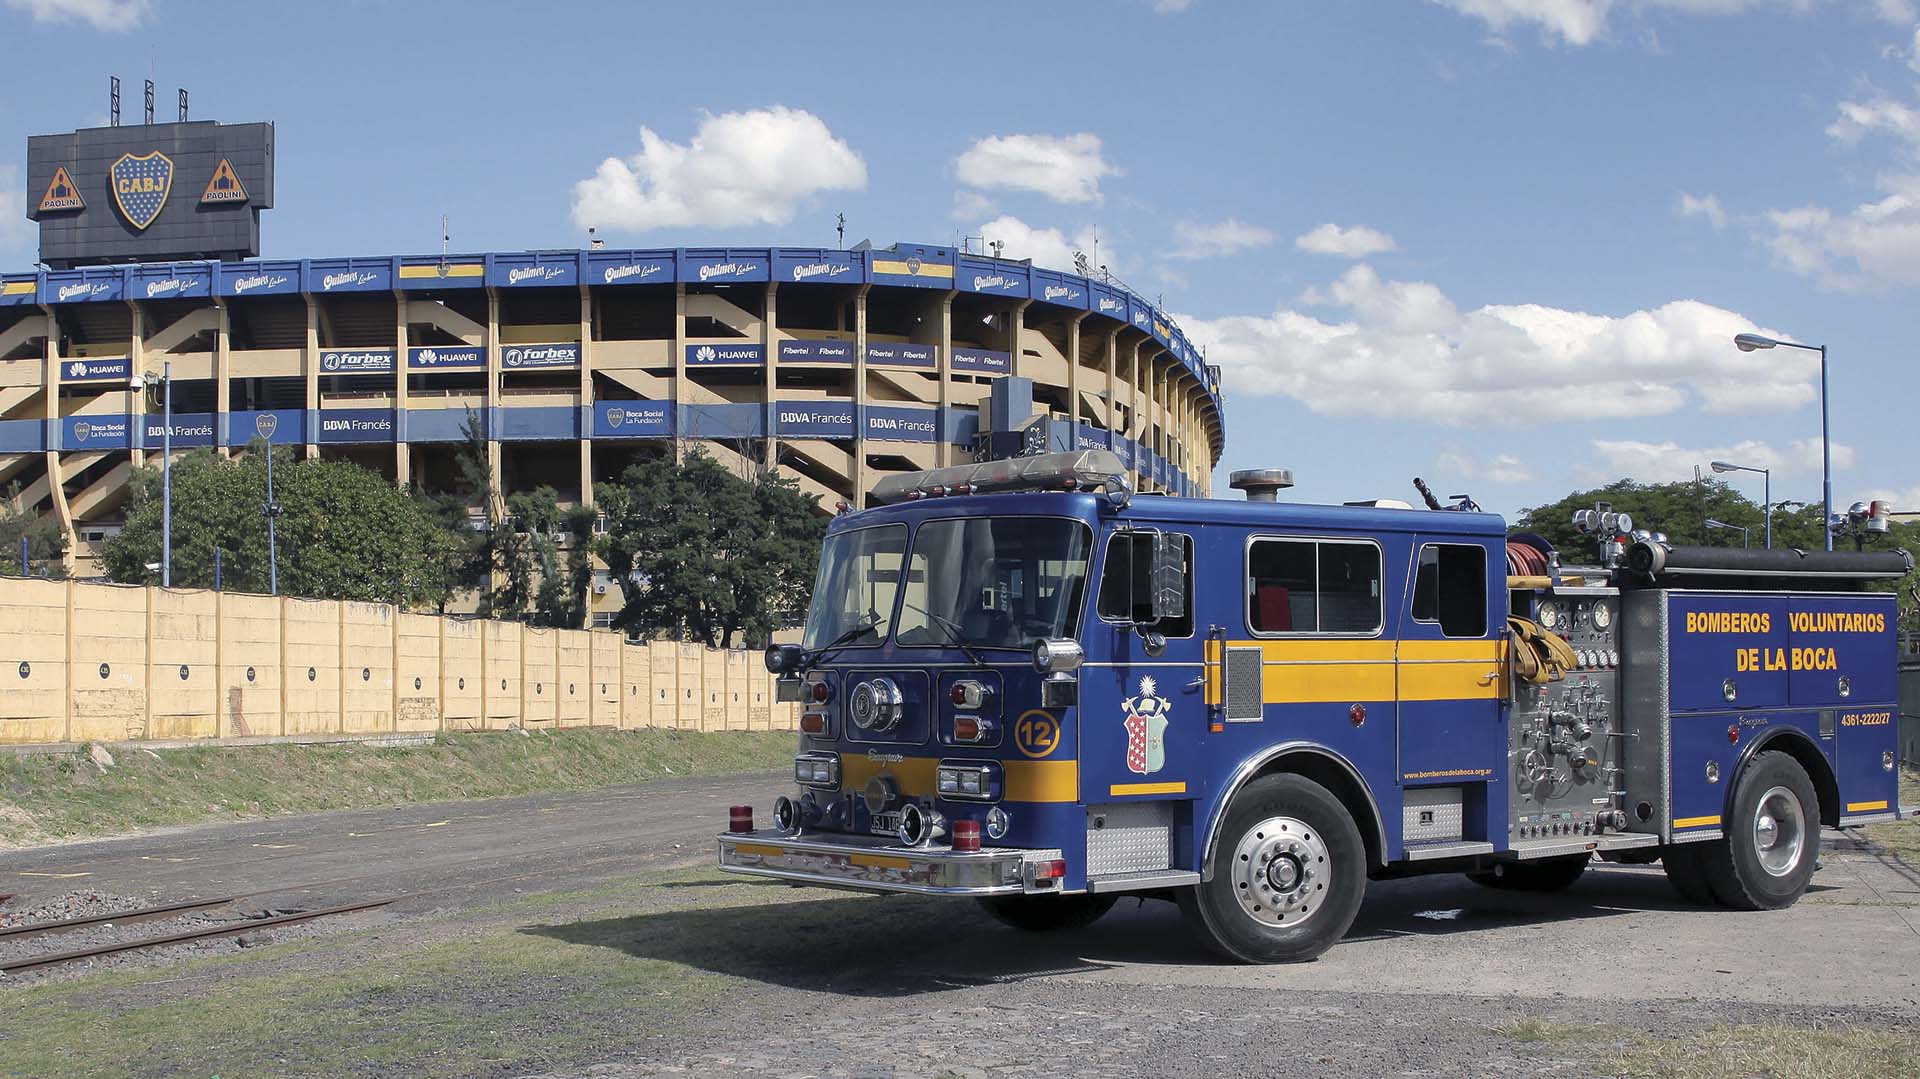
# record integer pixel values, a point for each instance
(1261, 484)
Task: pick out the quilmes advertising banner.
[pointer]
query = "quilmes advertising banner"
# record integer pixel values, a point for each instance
(814, 419)
(169, 282)
(816, 267)
(96, 432)
(725, 355)
(96, 369)
(190, 430)
(897, 354)
(260, 279)
(629, 267)
(81, 286)
(632, 419)
(446, 358)
(983, 361)
(531, 357)
(528, 270)
(817, 352)
(356, 361)
(724, 268)
(895, 424)
(344, 275)
(356, 425)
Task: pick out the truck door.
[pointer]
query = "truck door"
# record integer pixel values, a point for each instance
(1452, 737)
(1142, 717)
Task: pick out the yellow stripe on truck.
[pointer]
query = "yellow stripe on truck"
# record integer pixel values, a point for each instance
(1026, 781)
(1865, 807)
(1333, 671)
(1695, 822)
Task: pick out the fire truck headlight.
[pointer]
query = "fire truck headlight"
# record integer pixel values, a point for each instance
(817, 770)
(782, 658)
(974, 781)
(1057, 655)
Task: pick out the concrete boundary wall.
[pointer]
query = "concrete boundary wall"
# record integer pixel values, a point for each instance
(83, 662)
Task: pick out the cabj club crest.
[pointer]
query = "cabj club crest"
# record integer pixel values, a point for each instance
(140, 186)
(1146, 726)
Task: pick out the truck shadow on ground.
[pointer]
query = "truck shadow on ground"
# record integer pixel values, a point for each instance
(888, 946)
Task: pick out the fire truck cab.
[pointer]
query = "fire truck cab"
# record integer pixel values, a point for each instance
(1022, 683)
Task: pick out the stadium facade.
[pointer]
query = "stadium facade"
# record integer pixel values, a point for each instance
(839, 367)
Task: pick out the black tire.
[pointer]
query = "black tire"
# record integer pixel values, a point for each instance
(1751, 867)
(1048, 913)
(1326, 867)
(1685, 872)
(1544, 875)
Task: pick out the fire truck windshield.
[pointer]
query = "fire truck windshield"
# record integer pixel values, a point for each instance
(994, 582)
(858, 580)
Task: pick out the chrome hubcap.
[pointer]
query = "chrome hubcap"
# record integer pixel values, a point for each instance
(1280, 871)
(1779, 831)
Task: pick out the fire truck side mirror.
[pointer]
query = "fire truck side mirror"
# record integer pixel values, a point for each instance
(1167, 578)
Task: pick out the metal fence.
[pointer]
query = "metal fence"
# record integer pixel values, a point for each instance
(1910, 711)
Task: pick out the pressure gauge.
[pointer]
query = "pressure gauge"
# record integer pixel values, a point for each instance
(1602, 616)
(1550, 615)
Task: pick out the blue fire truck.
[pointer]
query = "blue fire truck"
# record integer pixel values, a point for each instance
(1025, 684)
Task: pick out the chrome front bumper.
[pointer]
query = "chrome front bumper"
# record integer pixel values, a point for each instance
(879, 864)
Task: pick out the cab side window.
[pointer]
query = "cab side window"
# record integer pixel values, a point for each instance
(1313, 586)
(1450, 588)
(1126, 583)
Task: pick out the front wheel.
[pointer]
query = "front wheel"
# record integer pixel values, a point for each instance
(1289, 870)
(1047, 913)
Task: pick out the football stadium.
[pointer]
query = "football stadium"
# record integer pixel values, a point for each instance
(838, 367)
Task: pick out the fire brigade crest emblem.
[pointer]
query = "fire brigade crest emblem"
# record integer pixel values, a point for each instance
(1146, 726)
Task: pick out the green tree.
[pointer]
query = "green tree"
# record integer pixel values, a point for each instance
(46, 543)
(555, 549)
(345, 532)
(1681, 510)
(705, 555)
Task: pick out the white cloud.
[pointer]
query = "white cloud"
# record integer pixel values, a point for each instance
(1227, 237)
(1878, 115)
(16, 232)
(1046, 247)
(1501, 468)
(1665, 462)
(741, 168)
(972, 206)
(100, 14)
(1707, 206)
(1903, 501)
(1357, 242)
(1064, 168)
(1171, 7)
(1872, 245)
(1405, 351)
(1583, 22)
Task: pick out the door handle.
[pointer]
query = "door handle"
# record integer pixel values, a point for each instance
(1489, 678)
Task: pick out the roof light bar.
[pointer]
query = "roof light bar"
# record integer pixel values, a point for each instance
(1071, 470)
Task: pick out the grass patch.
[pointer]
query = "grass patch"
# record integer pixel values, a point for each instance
(498, 1001)
(1902, 838)
(44, 798)
(1728, 1051)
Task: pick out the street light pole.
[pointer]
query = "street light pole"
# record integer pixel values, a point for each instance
(1766, 490)
(1747, 342)
(273, 548)
(166, 475)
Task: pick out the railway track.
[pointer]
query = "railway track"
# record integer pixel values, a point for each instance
(76, 955)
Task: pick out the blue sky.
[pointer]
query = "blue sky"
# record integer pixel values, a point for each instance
(1501, 244)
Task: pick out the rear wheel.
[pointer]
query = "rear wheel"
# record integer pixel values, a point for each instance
(1046, 913)
(1766, 858)
(1289, 871)
(1544, 875)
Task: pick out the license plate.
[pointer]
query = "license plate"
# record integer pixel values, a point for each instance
(886, 823)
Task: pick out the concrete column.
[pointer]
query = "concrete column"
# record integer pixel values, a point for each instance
(1073, 375)
(56, 478)
(222, 373)
(943, 451)
(1137, 387)
(402, 455)
(770, 344)
(1113, 385)
(585, 409)
(493, 403)
(859, 477)
(310, 363)
(679, 368)
(136, 362)
(1016, 335)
